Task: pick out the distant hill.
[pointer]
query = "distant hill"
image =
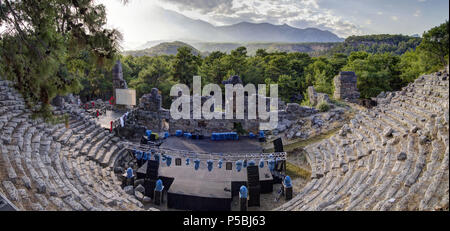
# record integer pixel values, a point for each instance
(204, 48)
(397, 44)
(310, 48)
(183, 28)
(266, 32)
(165, 48)
(381, 43)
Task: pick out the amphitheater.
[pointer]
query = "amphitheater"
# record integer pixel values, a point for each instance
(392, 157)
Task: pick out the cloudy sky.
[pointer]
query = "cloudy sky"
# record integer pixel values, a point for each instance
(139, 23)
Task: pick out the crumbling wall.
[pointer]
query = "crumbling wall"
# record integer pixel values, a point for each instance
(316, 98)
(345, 86)
(153, 116)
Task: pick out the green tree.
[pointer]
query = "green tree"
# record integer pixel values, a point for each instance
(236, 62)
(435, 43)
(376, 73)
(288, 87)
(213, 70)
(47, 43)
(185, 66)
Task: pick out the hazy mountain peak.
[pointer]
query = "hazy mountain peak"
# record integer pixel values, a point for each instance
(184, 28)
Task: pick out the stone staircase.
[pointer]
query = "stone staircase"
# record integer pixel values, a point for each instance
(392, 157)
(51, 167)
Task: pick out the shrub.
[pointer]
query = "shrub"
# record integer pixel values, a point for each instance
(305, 102)
(323, 107)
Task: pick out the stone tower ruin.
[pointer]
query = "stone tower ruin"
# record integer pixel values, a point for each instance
(345, 86)
(117, 78)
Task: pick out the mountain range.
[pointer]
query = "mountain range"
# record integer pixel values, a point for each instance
(178, 27)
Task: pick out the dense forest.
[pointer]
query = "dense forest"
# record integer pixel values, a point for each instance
(397, 44)
(57, 47)
(380, 61)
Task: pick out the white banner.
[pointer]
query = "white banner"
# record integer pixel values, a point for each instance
(126, 97)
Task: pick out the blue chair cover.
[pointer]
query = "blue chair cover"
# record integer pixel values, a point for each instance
(287, 181)
(261, 163)
(187, 161)
(238, 165)
(168, 160)
(271, 164)
(210, 165)
(251, 163)
(159, 185)
(144, 156)
(243, 192)
(196, 164)
(220, 163)
(130, 173)
(139, 155)
(244, 163)
(157, 157)
(261, 134)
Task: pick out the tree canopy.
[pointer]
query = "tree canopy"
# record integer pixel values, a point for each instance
(48, 46)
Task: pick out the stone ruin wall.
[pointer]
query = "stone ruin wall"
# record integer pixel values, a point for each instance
(151, 115)
(345, 86)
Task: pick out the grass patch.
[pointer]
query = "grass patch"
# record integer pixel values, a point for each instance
(303, 143)
(338, 103)
(296, 172)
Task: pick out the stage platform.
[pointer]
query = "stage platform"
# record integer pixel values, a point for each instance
(201, 190)
(105, 120)
(206, 145)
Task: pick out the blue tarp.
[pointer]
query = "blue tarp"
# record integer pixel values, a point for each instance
(166, 134)
(187, 135)
(148, 133)
(178, 133)
(224, 136)
(243, 192)
(251, 135)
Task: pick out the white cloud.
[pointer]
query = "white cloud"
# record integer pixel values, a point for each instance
(394, 18)
(298, 13)
(417, 13)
